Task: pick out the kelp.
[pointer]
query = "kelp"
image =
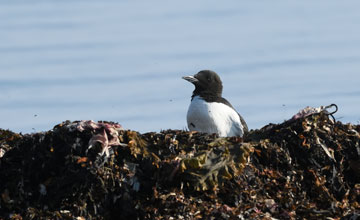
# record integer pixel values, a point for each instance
(305, 168)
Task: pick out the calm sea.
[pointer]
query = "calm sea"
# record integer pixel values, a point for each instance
(122, 61)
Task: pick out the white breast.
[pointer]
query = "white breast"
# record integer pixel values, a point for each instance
(213, 117)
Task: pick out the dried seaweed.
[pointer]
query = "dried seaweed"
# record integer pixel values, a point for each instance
(304, 168)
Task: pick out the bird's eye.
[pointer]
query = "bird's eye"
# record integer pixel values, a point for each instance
(208, 79)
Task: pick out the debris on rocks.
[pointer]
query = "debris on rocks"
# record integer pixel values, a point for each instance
(305, 168)
(311, 110)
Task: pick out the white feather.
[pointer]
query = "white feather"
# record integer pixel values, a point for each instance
(213, 117)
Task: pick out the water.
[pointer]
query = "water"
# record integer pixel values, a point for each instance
(122, 61)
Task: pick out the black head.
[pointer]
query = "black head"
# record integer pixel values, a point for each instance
(207, 83)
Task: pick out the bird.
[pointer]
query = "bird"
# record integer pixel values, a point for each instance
(209, 112)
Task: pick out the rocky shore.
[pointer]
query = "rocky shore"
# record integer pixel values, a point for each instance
(304, 168)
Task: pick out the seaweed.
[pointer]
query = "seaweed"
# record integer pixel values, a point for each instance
(305, 168)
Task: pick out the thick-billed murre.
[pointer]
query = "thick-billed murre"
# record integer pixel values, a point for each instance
(209, 112)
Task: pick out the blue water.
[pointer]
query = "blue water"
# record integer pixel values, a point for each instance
(122, 61)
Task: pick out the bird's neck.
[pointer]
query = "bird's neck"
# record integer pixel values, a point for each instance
(207, 95)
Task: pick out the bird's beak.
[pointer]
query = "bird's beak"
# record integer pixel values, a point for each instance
(191, 79)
